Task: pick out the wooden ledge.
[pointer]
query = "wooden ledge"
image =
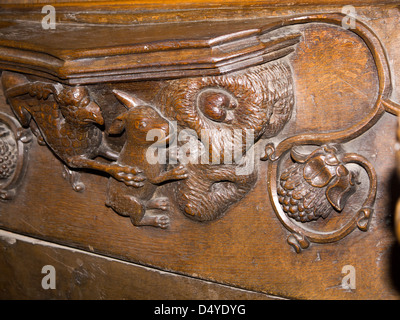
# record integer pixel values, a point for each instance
(77, 53)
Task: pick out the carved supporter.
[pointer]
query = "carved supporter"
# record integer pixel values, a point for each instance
(67, 120)
(138, 203)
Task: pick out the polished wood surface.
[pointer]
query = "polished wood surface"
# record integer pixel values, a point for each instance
(82, 275)
(320, 99)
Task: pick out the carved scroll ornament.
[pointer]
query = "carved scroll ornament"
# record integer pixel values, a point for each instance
(315, 186)
(223, 118)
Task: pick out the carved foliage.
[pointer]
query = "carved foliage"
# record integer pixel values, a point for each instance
(315, 185)
(14, 144)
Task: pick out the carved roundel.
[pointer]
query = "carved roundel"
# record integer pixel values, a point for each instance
(13, 149)
(321, 196)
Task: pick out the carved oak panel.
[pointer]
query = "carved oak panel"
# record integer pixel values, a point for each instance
(257, 131)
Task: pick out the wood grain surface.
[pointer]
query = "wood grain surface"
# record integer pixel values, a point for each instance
(81, 275)
(247, 248)
(336, 86)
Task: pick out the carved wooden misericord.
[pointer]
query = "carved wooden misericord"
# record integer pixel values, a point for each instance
(215, 118)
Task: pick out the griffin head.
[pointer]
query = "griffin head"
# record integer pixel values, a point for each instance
(77, 107)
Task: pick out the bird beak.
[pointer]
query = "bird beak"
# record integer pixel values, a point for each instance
(94, 113)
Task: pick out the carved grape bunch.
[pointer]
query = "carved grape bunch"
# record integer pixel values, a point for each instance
(14, 145)
(306, 187)
(316, 184)
(8, 154)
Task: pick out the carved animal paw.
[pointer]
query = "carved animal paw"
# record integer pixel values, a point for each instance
(76, 162)
(155, 220)
(178, 173)
(158, 203)
(131, 176)
(162, 221)
(74, 178)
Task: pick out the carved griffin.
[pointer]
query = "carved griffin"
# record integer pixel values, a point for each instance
(69, 124)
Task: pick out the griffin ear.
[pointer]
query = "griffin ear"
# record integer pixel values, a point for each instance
(128, 100)
(117, 126)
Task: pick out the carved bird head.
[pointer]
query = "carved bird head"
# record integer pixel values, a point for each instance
(77, 107)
